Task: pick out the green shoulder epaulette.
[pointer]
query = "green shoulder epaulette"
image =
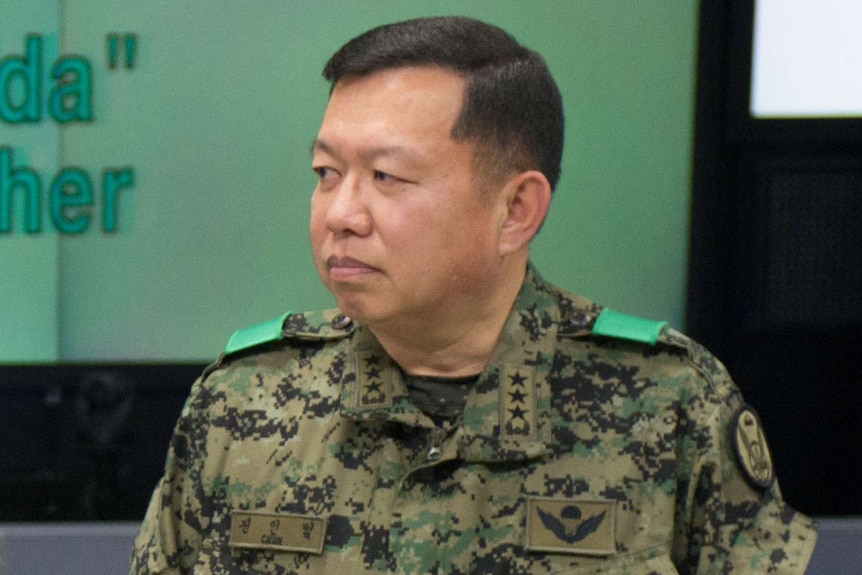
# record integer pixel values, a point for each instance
(615, 324)
(257, 334)
(315, 325)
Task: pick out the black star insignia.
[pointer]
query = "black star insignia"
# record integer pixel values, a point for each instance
(518, 379)
(519, 413)
(518, 396)
(373, 387)
(373, 373)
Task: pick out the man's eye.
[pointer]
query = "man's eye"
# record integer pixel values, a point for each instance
(323, 172)
(384, 177)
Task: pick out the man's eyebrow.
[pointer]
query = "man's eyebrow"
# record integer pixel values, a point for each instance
(320, 146)
(368, 154)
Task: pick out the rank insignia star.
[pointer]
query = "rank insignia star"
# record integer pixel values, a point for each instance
(518, 413)
(517, 379)
(374, 385)
(517, 396)
(517, 401)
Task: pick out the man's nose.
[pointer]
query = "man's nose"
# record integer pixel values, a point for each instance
(347, 212)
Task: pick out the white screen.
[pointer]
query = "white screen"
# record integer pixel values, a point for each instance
(807, 59)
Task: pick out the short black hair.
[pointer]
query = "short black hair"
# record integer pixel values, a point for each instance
(512, 106)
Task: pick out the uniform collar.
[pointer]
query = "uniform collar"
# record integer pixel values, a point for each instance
(507, 414)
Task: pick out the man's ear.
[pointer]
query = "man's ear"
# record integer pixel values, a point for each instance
(528, 197)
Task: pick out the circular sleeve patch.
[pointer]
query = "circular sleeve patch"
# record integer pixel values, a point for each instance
(752, 452)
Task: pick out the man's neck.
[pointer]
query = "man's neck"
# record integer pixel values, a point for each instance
(455, 342)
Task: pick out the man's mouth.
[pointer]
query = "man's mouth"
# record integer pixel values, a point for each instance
(345, 267)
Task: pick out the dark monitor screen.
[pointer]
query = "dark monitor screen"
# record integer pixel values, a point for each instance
(86, 441)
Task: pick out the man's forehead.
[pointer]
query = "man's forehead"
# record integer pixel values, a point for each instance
(405, 114)
(420, 90)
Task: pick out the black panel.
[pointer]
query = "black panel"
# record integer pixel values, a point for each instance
(811, 256)
(86, 442)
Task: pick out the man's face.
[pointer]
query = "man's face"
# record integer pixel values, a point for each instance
(399, 227)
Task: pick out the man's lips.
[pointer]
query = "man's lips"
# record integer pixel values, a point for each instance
(347, 267)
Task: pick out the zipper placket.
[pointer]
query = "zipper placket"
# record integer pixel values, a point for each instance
(435, 443)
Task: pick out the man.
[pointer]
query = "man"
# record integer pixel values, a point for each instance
(458, 414)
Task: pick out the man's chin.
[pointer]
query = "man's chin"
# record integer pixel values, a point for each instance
(355, 305)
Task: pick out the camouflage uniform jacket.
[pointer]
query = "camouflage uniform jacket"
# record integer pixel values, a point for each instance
(577, 453)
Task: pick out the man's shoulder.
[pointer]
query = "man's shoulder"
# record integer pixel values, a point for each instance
(322, 325)
(645, 340)
(580, 316)
(290, 334)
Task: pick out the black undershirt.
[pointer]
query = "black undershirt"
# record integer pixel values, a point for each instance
(440, 398)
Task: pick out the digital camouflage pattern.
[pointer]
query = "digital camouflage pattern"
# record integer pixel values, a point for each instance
(576, 454)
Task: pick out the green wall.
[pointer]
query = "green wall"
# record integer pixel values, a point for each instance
(215, 118)
(29, 264)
